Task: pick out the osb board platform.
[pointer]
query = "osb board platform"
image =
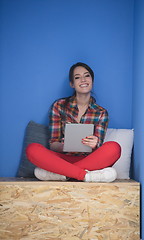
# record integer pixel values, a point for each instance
(68, 210)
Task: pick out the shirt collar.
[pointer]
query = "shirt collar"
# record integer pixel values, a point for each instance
(73, 102)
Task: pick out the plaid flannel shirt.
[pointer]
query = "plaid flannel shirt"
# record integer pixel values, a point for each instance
(64, 111)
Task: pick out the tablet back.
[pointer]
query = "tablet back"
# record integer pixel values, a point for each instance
(74, 133)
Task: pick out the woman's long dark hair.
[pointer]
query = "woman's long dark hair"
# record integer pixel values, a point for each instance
(71, 77)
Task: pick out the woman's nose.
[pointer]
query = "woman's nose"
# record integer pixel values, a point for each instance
(83, 79)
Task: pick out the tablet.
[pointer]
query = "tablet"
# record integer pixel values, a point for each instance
(74, 133)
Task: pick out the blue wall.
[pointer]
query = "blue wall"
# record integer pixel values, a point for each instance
(40, 41)
(138, 100)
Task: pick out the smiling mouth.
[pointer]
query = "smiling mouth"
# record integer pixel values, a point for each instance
(84, 85)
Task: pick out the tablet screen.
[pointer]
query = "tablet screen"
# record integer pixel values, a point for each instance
(74, 133)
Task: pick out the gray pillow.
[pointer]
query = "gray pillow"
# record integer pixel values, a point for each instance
(35, 133)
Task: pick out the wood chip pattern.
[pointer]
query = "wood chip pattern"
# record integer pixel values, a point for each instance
(69, 211)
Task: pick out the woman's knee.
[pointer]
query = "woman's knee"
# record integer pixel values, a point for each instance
(32, 148)
(113, 147)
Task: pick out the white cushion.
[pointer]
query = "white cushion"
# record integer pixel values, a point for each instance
(125, 138)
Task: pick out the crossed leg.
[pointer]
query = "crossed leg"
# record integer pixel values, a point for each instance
(73, 166)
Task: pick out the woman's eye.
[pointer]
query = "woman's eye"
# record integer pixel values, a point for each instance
(88, 75)
(77, 77)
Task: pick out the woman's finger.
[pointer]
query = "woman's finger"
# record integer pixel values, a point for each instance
(90, 141)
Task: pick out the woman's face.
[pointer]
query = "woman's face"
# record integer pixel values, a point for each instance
(82, 80)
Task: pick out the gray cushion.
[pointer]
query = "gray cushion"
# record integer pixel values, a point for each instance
(35, 133)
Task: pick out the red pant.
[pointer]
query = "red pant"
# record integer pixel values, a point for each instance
(73, 166)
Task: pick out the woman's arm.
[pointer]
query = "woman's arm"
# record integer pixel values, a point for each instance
(55, 128)
(97, 139)
(56, 146)
(101, 127)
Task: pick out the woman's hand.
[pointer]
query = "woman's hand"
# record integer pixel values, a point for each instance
(56, 146)
(90, 141)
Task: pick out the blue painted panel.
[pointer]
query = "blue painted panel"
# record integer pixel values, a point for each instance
(40, 41)
(138, 101)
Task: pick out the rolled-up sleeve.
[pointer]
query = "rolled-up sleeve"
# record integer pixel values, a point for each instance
(101, 127)
(55, 124)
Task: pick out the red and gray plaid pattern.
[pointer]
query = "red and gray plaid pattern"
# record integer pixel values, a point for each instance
(66, 111)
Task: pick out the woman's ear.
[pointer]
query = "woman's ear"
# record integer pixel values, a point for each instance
(72, 85)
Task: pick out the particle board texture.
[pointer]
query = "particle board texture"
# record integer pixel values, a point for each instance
(31, 209)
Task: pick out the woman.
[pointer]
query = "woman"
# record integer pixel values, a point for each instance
(54, 164)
